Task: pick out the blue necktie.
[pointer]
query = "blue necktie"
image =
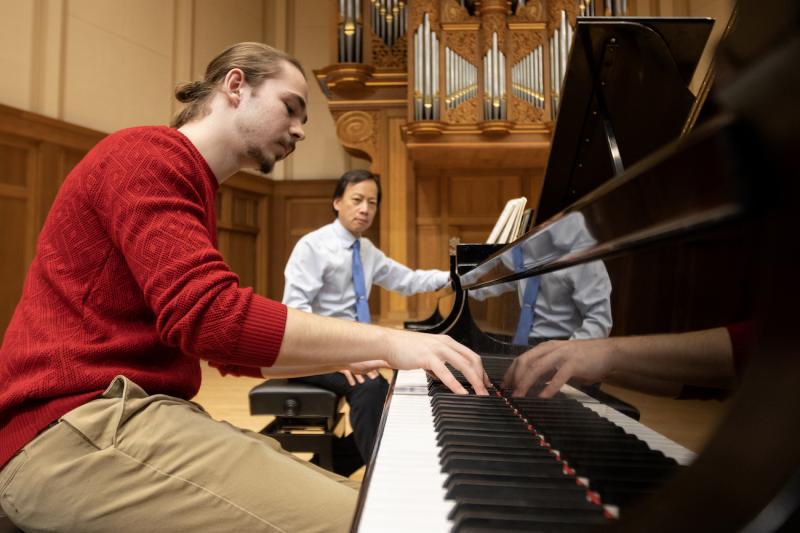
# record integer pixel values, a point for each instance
(362, 305)
(528, 300)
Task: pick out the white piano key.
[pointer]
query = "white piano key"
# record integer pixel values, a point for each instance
(406, 492)
(410, 379)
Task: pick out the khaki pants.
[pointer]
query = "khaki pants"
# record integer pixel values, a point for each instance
(132, 462)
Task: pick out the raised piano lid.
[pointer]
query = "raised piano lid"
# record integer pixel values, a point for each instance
(625, 94)
(678, 190)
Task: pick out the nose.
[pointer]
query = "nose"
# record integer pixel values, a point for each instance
(296, 131)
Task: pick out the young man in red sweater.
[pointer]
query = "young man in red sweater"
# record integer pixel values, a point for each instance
(128, 292)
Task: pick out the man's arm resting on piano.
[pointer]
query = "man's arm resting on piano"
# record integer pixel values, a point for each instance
(653, 363)
(314, 341)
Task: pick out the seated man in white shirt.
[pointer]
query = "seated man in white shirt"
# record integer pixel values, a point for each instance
(320, 279)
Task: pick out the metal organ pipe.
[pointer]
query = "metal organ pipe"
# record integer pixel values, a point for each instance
(418, 75)
(426, 72)
(388, 20)
(426, 58)
(560, 44)
(342, 57)
(351, 29)
(435, 75)
(357, 58)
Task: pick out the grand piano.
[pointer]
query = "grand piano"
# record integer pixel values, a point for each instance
(696, 233)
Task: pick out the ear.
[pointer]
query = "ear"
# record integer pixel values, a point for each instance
(336, 203)
(232, 86)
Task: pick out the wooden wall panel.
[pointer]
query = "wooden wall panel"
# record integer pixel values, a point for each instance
(36, 153)
(429, 199)
(243, 231)
(431, 253)
(12, 254)
(480, 195)
(14, 154)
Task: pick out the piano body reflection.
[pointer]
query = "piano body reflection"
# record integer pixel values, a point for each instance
(697, 208)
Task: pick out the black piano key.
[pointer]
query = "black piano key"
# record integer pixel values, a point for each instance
(530, 514)
(529, 491)
(521, 452)
(512, 464)
(463, 437)
(481, 524)
(489, 451)
(495, 426)
(469, 475)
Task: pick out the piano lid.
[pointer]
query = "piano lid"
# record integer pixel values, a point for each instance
(624, 95)
(676, 191)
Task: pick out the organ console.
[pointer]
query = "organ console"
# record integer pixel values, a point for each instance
(695, 234)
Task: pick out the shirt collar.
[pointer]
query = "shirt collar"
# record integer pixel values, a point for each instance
(345, 237)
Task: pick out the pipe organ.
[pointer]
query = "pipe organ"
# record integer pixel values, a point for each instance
(527, 78)
(494, 60)
(461, 79)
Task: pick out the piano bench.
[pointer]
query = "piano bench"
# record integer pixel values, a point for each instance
(305, 416)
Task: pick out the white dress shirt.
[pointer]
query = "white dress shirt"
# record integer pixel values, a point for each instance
(319, 273)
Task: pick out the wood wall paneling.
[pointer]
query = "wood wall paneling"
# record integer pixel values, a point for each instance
(243, 230)
(431, 253)
(36, 154)
(12, 254)
(480, 195)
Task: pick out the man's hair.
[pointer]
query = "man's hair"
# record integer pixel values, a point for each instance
(351, 177)
(258, 61)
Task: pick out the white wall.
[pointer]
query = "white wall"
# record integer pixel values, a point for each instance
(111, 64)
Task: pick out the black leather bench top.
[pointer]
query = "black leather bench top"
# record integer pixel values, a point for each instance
(271, 397)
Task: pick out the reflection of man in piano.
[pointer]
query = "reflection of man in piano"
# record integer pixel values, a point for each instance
(570, 303)
(322, 278)
(125, 297)
(676, 364)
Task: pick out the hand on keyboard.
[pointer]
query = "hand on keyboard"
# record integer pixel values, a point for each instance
(410, 350)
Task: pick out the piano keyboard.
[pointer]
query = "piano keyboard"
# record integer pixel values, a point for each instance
(406, 487)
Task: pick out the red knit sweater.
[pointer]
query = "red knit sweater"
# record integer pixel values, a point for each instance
(127, 280)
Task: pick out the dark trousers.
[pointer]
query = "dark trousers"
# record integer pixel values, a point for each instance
(366, 405)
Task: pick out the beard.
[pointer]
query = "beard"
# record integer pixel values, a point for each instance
(265, 164)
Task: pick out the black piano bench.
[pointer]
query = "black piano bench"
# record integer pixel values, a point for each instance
(305, 416)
